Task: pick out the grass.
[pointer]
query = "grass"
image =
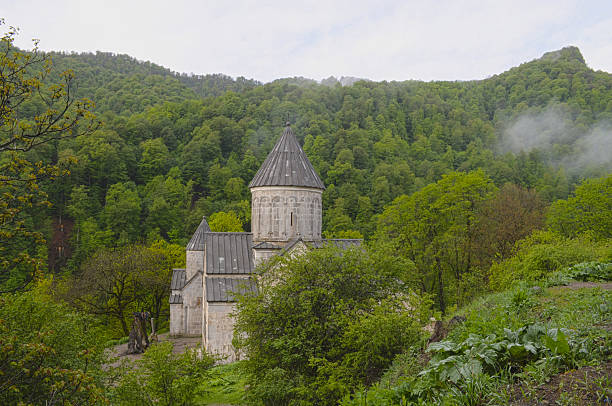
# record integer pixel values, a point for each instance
(118, 341)
(226, 387)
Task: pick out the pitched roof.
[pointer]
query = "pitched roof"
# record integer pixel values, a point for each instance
(229, 253)
(178, 279)
(342, 243)
(265, 245)
(197, 241)
(287, 165)
(223, 289)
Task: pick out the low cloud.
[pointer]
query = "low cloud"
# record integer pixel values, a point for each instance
(554, 132)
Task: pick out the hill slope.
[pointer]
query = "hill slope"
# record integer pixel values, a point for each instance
(370, 142)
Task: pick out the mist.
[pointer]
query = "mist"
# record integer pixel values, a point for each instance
(554, 132)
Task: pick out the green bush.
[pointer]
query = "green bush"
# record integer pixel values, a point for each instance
(162, 378)
(591, 271)
(588, 211)
(463, 371)
(544, 253)
(326, 323)
(48, 352)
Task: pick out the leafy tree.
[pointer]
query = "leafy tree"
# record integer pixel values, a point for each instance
(103, 159)
(235, 189)
(435, 229)
(57, 116)
(222, 221)
(304, 330)
(122, 211)
(113, 283)
(154, 281)
(155, 159)
(49, 354)
(511, 215)
(589, 210)
(198, 156)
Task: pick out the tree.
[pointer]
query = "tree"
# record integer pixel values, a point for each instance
(115, 282)
(155, 280)
(222, 221)
(312, 331)
(122, 211)
(49, 354)
(54, 114)
(511, 215)
(155, 159)
(434, 228)
(588, 211)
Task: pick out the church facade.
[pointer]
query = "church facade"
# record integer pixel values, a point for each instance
(286, 214)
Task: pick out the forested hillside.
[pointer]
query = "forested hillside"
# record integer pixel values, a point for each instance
(460, 189)
(166, 156)
(126, 86)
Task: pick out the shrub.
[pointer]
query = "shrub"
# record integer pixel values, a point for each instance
(162, 378)
(588, 211)
(48, 353)
(463, 370)
(325, 323)
(544, 253)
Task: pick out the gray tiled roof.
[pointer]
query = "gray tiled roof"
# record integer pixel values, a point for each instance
(176, 299)
(197, 241)
(287, 165)
(267, 246)
(342, 243)
(178, 279)
(229, 253)
(223, 289)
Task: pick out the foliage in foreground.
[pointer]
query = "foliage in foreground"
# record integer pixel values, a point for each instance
(520, 337)
(226, 385)
(49, 354)
(325, 323)
(162, 378)
(585, 272)
(542, 254)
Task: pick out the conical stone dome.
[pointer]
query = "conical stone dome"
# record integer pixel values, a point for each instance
(287, 165)
(286, 195)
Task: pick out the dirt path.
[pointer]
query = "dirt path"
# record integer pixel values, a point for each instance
(180, 345)
(580, 285)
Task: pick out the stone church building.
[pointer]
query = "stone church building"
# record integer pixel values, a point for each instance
(286, 215)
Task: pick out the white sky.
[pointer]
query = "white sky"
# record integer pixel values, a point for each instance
(266, 40)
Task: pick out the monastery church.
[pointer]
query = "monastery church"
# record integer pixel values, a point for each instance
(286, 215)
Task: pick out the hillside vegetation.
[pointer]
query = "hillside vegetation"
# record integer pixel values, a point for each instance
(173, 156)
(478, 196)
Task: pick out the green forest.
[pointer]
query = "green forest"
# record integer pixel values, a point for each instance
(466, 193)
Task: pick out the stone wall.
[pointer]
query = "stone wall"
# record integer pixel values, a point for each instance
(176, 320)
(219, 330)
(194, 263)
(281, 213)
(261, 255)
(186, 318)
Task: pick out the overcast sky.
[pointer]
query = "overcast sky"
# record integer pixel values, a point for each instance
(266, 40)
